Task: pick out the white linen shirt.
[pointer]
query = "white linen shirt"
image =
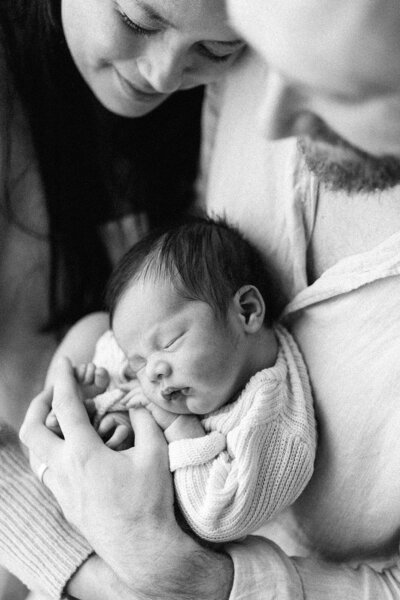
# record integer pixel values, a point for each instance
(338, 258)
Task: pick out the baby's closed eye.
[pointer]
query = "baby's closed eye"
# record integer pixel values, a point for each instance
(173, 340)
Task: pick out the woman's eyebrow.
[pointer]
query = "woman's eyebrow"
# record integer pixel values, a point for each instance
(152, 14)
(155, 16)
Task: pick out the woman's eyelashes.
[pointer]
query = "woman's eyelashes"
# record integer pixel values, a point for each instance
(212, 56)
(135, 27)
(146, 32)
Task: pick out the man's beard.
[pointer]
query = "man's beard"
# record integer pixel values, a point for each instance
(340, 165)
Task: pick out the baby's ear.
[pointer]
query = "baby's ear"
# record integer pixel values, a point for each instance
(250, 307)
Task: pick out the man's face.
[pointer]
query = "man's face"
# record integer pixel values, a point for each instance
(335, 82)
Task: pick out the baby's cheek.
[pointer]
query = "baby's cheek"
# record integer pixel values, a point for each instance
(209, 370)
(201, 366)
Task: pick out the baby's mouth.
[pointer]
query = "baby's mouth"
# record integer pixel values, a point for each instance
(173, 393)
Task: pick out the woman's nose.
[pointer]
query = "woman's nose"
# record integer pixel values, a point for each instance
(157, 370)
(161, 67)
(282, 104)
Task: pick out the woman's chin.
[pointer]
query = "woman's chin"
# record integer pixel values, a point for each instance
(129, 108)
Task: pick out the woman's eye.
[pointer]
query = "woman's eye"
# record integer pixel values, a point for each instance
(214, 57)
(132, 25)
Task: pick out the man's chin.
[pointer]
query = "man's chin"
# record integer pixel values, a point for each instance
(344, 168)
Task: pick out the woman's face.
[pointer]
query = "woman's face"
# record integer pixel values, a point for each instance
(134, 53)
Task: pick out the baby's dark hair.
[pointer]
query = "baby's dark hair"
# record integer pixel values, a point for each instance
(205, 259)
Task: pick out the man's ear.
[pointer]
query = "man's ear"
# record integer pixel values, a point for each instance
(250, 308)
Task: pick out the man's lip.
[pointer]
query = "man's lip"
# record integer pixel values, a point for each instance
(137, 90)
(309, 125)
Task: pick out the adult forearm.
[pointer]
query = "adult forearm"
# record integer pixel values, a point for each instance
(94, 580)
(197, 574)
(207, 575)
(202, 575)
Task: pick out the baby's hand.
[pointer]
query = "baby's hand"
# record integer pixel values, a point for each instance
(163, 417)
(134, 395)
(93, 381)
(176, 427)
(115, 429)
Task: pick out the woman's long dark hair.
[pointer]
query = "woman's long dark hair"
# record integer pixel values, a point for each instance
(95, 166)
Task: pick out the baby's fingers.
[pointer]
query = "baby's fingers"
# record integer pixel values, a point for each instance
(85, 373)
(134, 398)
(107, 424)
(52, 423)
(121, 439)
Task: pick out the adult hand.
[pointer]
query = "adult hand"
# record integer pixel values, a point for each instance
(121, 501)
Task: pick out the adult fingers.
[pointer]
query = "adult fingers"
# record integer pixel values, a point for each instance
(35, 462)
(34, 433)
(151, 456)
(148, 435)
(41, 470)
(68, 405)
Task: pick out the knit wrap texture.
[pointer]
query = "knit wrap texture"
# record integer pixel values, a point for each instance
(36, 542)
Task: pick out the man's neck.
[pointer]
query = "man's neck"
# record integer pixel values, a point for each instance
(346, 225)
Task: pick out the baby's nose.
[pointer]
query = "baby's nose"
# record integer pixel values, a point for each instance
(157, 370)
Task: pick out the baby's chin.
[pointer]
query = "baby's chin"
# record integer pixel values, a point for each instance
(201, 409)
(185, 403)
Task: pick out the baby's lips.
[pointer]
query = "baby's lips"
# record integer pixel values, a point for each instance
(173, 391)
(166, 393)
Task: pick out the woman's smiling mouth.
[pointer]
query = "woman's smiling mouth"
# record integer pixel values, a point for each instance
(137, 92)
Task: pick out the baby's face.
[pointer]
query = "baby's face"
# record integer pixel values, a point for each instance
(185, 358)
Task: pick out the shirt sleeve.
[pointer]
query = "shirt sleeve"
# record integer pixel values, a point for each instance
(263, 572)
(37, 544)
